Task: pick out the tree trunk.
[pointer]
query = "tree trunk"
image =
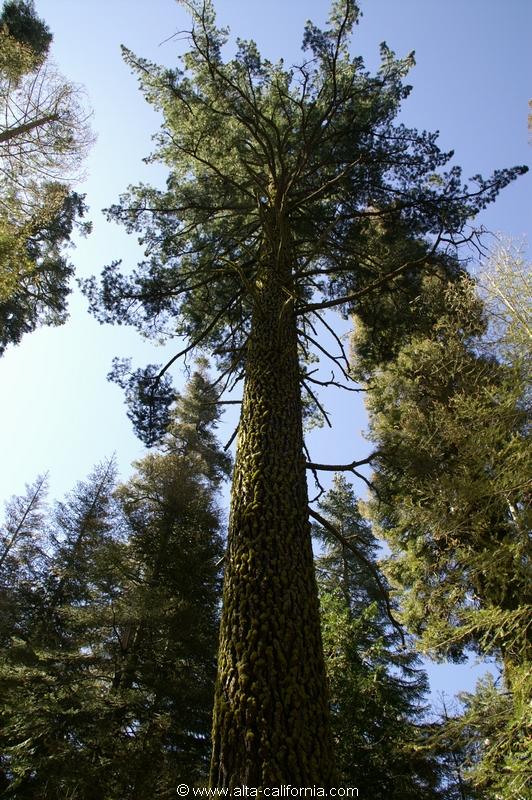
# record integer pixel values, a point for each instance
(271, 722)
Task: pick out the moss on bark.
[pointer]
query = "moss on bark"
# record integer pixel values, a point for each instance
(271, 714)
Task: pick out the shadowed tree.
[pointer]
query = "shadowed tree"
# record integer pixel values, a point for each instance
(167, 616)
(277, 181)
(377, 687)
(50, 663)
(109, 625)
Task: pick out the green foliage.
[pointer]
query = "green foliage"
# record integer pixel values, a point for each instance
(492, 734)
(191, 431)
(34, 271)
(450, 415)
(43, 137)
(19, 21)
(168, 615)
(376, 686)
(451, 430)
(109, 632)
(413, 304)
(50, 671)
(302, 163)
(21, 553)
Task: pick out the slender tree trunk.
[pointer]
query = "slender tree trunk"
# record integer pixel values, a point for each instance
(271, 712)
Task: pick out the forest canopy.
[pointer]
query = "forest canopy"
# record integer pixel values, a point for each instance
(296, 204)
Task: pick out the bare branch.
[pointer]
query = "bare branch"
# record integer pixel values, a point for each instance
(342, 467)
(332, 382)
(197, 341)
(336, 338)
(320, 488)
(324, 413)
(335, 359)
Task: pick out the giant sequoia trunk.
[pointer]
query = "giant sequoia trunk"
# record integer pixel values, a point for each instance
(271, 714)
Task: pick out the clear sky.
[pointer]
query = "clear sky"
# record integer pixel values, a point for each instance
(472, 82)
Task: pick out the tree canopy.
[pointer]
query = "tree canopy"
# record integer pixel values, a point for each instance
(44, 137)
(256, 151)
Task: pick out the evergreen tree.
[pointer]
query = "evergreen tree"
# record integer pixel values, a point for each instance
(23, 25)
(494, 735)
(19, 534)
(167, 615)
(109, 639)
(447, 417)
(450, 417)
(277, 182)
(377, 688)
(25, 39)
(21, 553)
(51, 714)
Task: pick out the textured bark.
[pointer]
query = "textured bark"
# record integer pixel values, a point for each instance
(271, 713)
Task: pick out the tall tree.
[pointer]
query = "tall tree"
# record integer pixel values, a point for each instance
(108, 640)
(446, 414)
(277, 178)
(44, 137)
(377, 687)
(51, 714)
(450, 415)
(167, 616)
(21, 542)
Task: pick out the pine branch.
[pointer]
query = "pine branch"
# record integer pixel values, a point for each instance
(350, 298)
(350, 546)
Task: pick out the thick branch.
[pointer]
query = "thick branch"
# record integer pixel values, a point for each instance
(342, 467)
(350, 298)
(348, 468)
(20, 130)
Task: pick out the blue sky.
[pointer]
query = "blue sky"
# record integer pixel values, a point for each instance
(472, 81)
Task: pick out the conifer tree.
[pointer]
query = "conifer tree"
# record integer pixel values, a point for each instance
(378, 690)
(52, 714)
(109, 638)
(21, 541)
(450, 416)
(167, 615)
(278, 180)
